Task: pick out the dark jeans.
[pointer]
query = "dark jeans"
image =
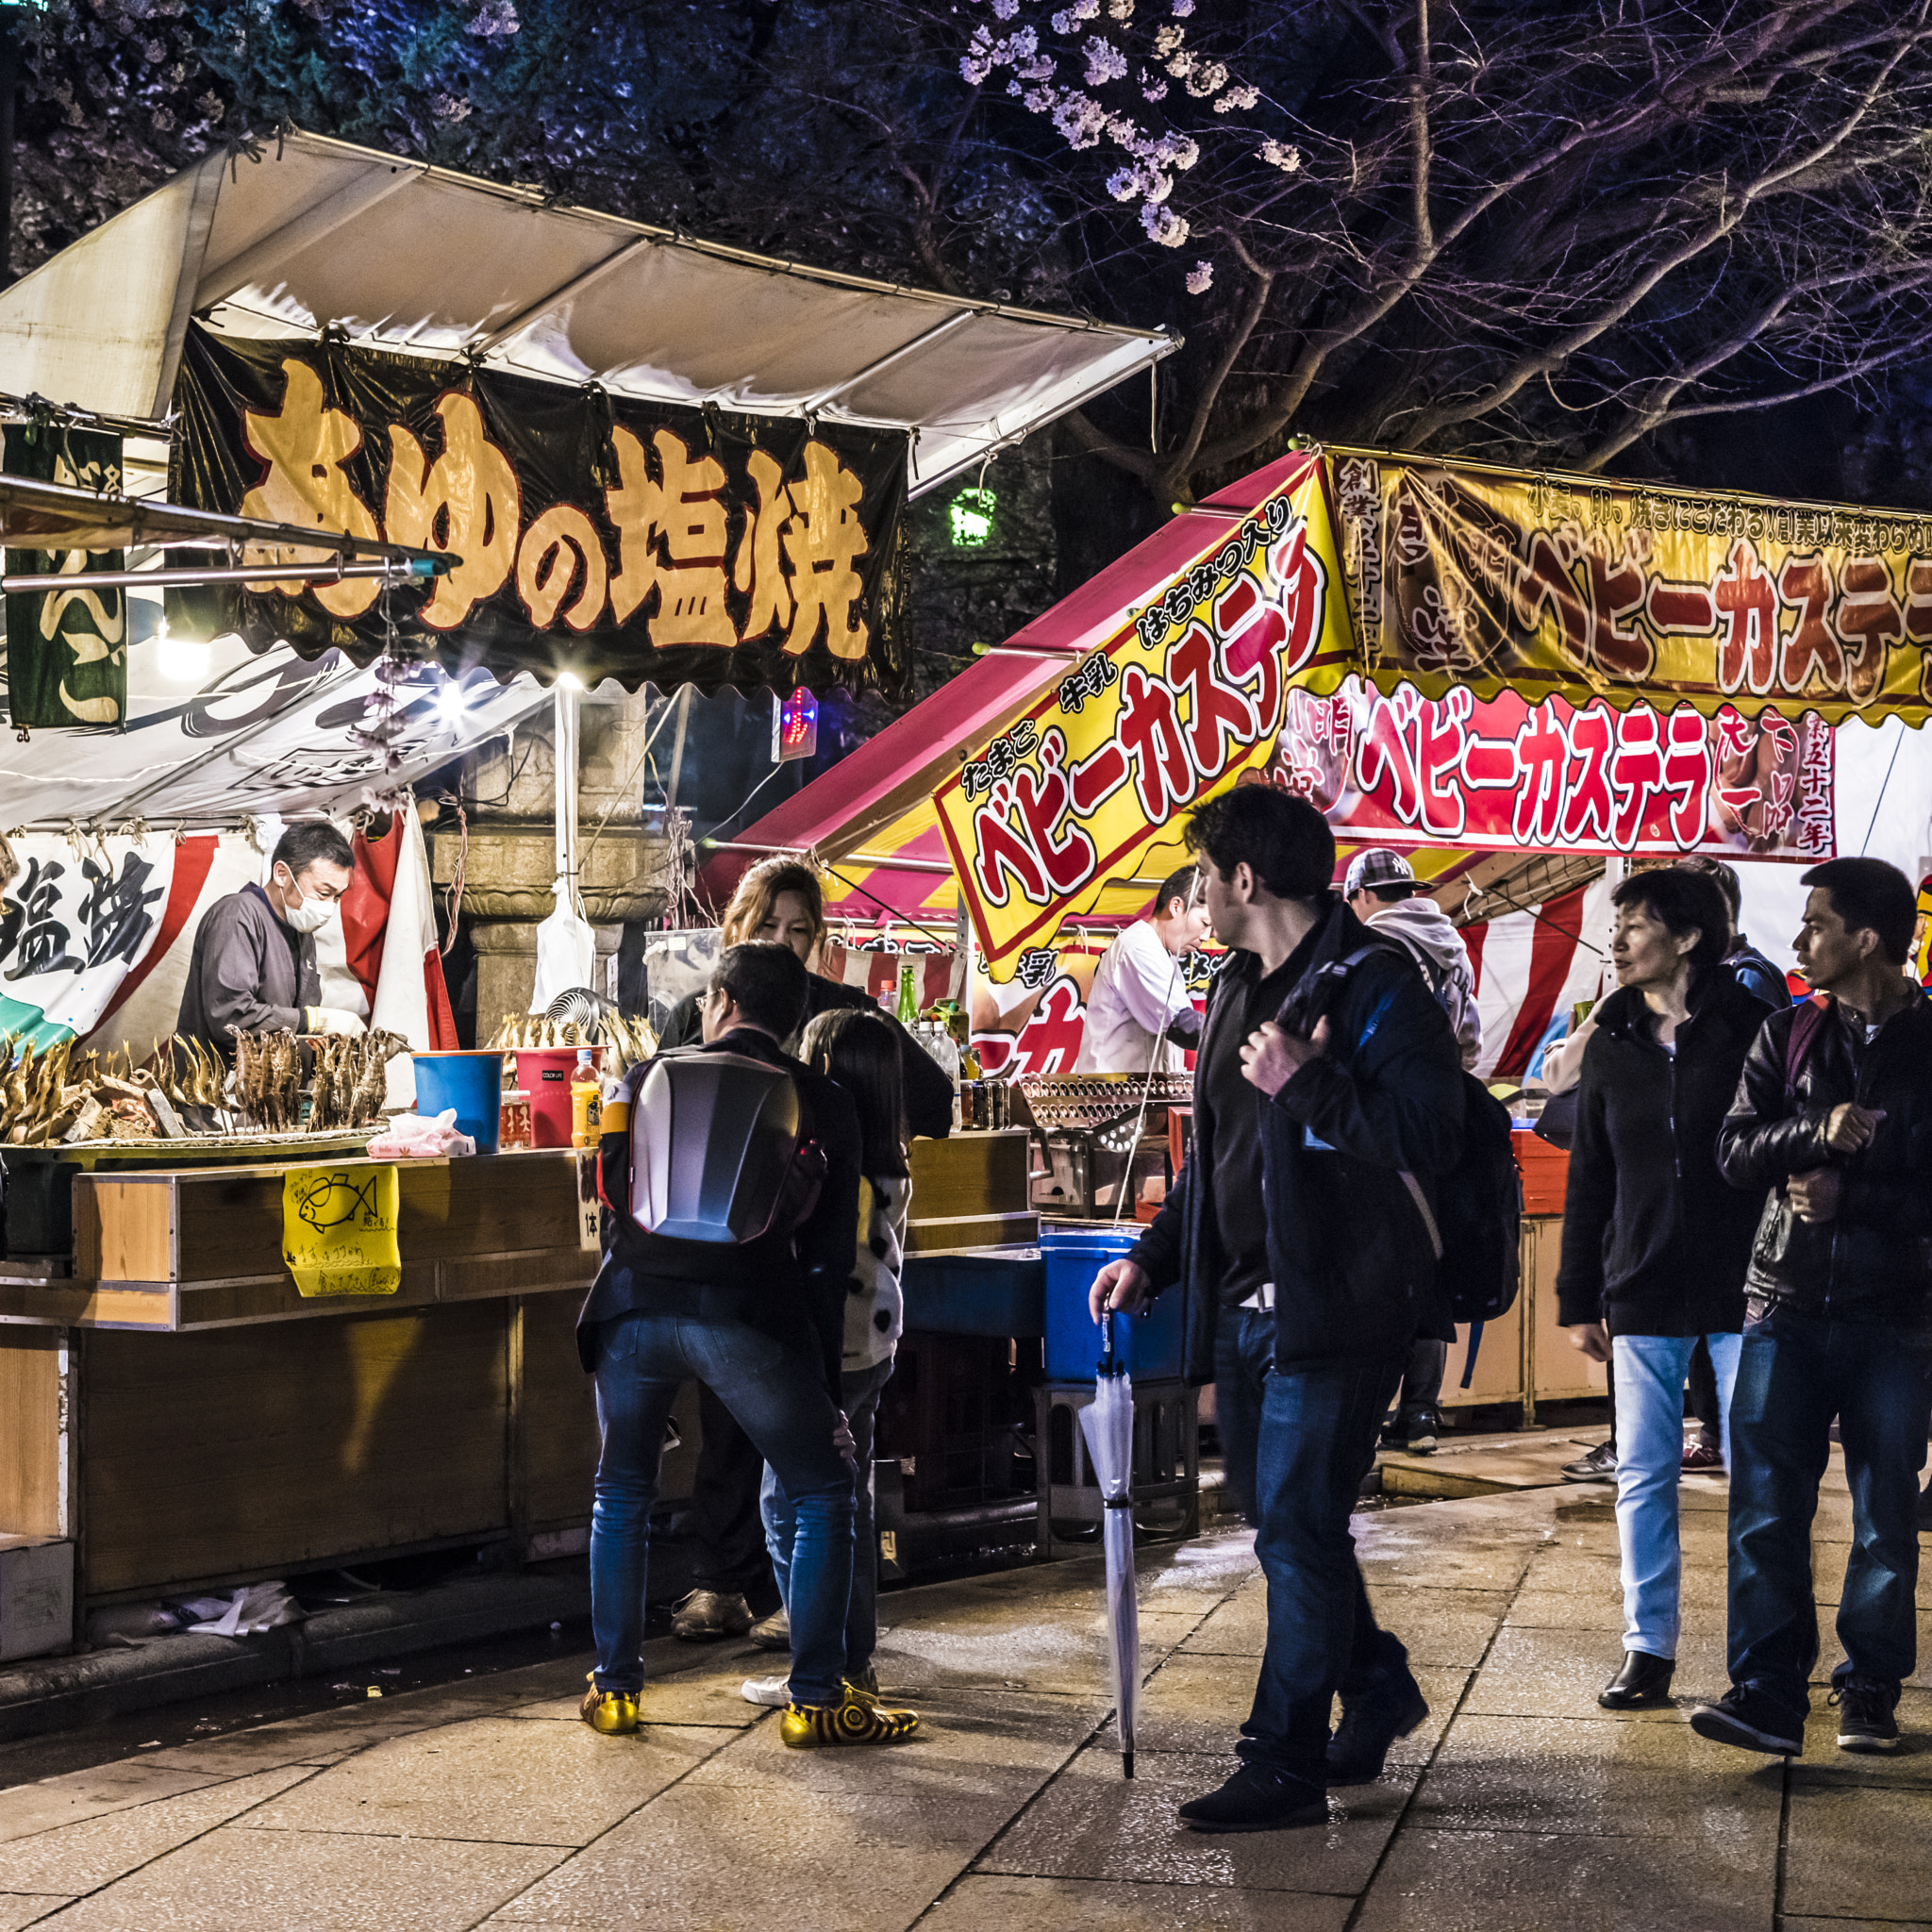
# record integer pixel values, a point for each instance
(1794, 1374)
(730, 1552)
(1243, 1360)
(1318, 1440)
(859, 1390)
(1422, 1381)
(778, 1393)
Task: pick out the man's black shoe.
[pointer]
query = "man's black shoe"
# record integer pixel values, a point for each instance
(1747, 1719)
(1865, 1720)
(1643, 1680)
(1599, 1466)
(1360, 1747)
(1256, 1799)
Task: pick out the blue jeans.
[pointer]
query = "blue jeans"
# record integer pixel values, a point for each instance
(1319, 1427)
(1243, 1361)
(1650, 1455)
(778, 1393)
(1796, 1373)
(859, 1390)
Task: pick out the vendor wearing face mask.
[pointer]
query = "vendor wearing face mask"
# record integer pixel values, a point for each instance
(254, 965)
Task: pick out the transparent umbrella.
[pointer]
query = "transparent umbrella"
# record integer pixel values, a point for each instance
(1108, 1427)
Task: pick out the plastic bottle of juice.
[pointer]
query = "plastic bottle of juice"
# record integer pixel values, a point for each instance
(586, 1106)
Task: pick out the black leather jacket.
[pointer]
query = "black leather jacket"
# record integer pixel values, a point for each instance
(1872, 1262)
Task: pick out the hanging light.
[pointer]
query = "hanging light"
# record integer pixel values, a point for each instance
(181, 661)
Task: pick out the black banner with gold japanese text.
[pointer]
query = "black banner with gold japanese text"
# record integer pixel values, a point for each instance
(66, 648)
(593, 535)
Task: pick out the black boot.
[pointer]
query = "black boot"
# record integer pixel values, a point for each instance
(1255, 1799)
(1643, 1680)
(1369, 1726)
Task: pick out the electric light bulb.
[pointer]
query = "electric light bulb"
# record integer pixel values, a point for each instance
(181, 661)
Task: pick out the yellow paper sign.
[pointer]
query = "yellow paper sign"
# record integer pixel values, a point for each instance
(338, 1230)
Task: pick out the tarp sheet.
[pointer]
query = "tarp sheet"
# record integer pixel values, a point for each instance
(309, 233)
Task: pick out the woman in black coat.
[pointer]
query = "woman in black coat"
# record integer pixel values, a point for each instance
(1654, 1243)
(778, 901)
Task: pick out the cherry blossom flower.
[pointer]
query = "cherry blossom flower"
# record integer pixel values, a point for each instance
(1105, 61)
(1200, 279)
(1162, 225)
(1279, 155)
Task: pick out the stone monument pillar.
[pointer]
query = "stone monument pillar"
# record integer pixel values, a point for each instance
(512, 865)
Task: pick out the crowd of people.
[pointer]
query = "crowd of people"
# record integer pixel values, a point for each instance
(1750, 1186)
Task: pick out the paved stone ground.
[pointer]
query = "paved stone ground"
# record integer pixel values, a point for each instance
(1519, 1804)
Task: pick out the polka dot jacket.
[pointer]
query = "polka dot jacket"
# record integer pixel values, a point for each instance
(874, 1308)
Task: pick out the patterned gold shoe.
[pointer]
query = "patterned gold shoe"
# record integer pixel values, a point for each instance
(860, 1720)
(610, 1714)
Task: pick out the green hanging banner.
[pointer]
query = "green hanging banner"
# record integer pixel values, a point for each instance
(66, 648)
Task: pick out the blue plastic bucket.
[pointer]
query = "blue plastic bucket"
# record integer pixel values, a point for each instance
(1150, 1346)
(469, 1082)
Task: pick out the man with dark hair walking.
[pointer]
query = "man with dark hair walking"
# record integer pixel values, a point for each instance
(1834, 1117)
(1328, 1075)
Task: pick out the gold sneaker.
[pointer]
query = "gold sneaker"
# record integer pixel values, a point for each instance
(610, 1714)
(860, 1719)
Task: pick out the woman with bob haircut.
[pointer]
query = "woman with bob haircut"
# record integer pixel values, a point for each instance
(1654, 1243)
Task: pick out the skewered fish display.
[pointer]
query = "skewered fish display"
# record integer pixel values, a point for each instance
(268, 1081)
(68, 1093)
(349, 1080)
(630, 1040)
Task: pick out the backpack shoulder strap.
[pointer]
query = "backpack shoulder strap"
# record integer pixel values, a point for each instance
(1801, 1039)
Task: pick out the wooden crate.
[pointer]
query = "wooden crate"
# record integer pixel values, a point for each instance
(1559, 1372)
(971, 1192)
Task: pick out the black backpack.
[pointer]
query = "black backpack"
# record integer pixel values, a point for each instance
(1477, 1226)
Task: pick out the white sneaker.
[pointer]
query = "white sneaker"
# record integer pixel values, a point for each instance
(775, 1691)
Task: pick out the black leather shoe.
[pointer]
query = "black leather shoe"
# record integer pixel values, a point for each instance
(1644, 1679)
(1256, 1800)
(1369, 1726)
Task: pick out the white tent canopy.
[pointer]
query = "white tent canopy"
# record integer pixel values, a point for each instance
(219, 733)
(417, 259)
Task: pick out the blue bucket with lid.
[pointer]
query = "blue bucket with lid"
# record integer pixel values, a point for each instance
(1149, 1347)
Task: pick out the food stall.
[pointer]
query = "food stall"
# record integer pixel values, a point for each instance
(613, 455)
(1527, 682)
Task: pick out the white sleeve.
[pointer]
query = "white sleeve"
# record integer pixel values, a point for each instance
(1147, 980)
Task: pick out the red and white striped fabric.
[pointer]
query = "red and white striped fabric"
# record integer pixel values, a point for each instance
(389, 925)
(1529, 968)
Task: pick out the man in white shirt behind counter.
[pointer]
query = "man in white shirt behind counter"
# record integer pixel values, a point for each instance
(1138, 1015)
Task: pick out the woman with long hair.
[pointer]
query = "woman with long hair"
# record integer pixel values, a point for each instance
(780, 901)
(859, 1051)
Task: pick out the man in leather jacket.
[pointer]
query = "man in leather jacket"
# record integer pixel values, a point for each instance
(1834, 1117)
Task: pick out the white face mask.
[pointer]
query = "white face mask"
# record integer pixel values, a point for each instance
(303, 915)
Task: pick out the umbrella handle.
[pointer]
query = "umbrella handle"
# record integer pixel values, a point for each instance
(1107, 1360)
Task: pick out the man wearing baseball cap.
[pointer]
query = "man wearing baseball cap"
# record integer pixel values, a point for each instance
(1383, 894)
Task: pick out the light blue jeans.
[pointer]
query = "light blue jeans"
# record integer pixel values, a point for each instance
(1650, 1453)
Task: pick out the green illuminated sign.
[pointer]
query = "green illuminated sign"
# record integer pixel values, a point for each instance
(971, 516)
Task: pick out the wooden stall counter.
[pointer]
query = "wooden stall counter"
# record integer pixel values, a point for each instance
(182, 1417)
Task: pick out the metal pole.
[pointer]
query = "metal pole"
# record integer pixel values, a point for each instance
(677, 751)
(564, 703)
(194, 576)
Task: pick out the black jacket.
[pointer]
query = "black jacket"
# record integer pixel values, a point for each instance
(928, 1092)
(1350, 1256)
(1873, 1261)
(1654, 1242)
(789, 1286)
(248, 972)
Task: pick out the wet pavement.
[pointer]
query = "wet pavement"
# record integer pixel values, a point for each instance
(1519, 1804)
